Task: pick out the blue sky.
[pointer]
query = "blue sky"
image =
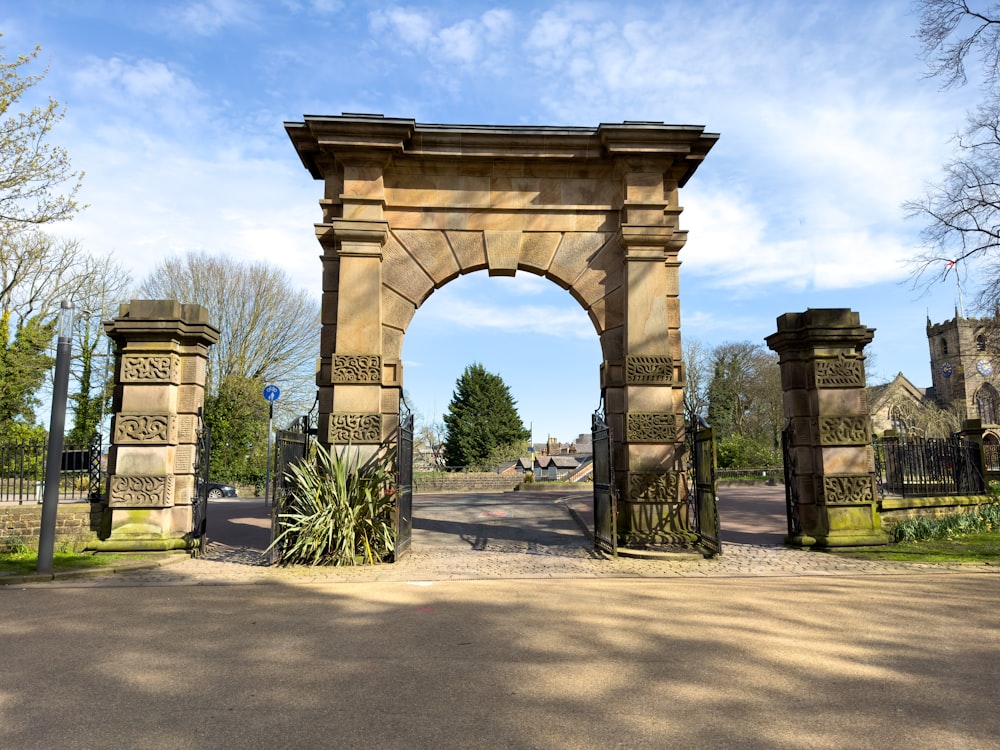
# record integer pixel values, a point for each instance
(174, 110)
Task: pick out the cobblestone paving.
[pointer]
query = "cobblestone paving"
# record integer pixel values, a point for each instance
(494, 538)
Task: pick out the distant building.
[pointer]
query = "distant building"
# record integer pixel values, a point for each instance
(964, 386)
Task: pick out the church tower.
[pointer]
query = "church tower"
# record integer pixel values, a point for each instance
(962, 369)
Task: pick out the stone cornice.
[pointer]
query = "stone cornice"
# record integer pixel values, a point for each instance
(681, 148)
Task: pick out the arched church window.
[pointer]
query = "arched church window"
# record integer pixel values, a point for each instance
(944, 347)
(988, 404)
(980, 343)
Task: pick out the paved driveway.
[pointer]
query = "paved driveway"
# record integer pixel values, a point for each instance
(502, 630)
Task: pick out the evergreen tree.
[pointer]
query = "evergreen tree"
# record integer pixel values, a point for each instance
(482, 422)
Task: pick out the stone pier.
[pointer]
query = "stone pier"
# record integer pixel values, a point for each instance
(161, 352)
(832, 492)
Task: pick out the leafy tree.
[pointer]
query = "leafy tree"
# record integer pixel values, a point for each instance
(237, 414)
(695, 356)
(37, 187)
(24, 363)
(482, 418)
(962, 210)
(744, 404)
(269, 331)
(37, 183)
(102, 284)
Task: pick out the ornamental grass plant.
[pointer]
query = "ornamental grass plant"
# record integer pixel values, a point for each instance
(338, 511)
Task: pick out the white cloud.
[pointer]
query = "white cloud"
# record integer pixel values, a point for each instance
(141, 90)
(469, 41)
(411, 27)
(209, 17)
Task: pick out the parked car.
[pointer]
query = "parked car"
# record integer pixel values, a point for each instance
(217, 489)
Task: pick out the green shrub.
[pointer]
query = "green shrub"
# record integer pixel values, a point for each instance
(338, 512)
(14, 545)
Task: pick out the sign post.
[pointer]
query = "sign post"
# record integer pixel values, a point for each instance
(271, 394)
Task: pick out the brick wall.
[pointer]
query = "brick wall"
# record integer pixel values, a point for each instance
(20, 524)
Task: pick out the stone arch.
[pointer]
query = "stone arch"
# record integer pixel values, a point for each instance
(408, 207)
(407, 284)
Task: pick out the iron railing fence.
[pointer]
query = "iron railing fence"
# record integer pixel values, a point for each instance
(82, 476)
(928, 467)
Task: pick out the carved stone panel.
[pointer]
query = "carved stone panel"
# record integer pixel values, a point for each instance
(190, 398)
(652, 487)
(355, 428)
(853, 430)
(351, 368)
(651, 427)
(187, 427)
(184, 459)
(150, 368)
(840, 489)
(640, 370)
(841, 372)
(145, 429)
(141, 492)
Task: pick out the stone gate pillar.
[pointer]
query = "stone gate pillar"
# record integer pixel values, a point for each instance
(651, 484)
(358, 389)
(833, 493)
(161, 352)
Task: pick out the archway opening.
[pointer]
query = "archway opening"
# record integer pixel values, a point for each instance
(542, 344)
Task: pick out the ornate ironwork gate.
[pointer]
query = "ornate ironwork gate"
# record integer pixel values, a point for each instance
(704, 507)
(404, 484)
(605, 504)
(199, 503)
(791, 487)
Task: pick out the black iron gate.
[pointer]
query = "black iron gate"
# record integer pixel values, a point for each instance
(791, 485)
(605, 504)
(404, 484)
(703, 509)
(199, 503)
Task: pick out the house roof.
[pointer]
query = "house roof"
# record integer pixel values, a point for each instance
(900, 386)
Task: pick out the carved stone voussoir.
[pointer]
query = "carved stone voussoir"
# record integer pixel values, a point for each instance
(841, 489)
(141, 492)
(651, 427)
(150, 368)
(650, 486)
(640, 370)
(145, 429)
(853, 430)
(355, 428)
(351, 368)
(842, 372)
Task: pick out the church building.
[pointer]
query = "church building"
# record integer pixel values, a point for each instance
(964, 386)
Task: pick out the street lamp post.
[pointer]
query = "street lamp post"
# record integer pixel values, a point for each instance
(57, 429)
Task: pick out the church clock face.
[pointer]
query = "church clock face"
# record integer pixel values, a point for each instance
(984, 367)
(947, 368)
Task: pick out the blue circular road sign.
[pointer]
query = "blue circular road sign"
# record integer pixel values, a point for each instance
(271, 393)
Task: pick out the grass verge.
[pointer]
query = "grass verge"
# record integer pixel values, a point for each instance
(972, 548)
(26, 563)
